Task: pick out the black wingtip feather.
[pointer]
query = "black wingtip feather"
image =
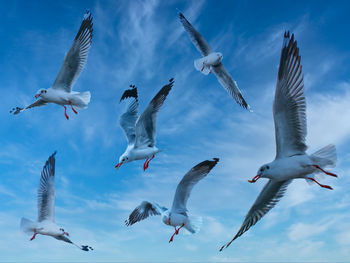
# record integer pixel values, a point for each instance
(130, 93)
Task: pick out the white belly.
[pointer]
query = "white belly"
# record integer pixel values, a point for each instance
(177, 219)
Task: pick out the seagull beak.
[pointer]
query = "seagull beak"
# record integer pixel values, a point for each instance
(66, 234)
(118, 165)
(37, 96)
(255, 178)
(169, 221)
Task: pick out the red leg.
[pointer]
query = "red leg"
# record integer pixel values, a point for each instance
(328, 173)
(322, 185)
(65, 112)
(175, 233)
(70, 103)
(33, 235)
(210, 70)
(145, 164)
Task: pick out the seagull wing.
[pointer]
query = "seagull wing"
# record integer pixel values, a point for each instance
(37, 103)
(197, 39)
(267, 199)
(144, 210)
(289, 107)
(146, 124)
(46, 191)
(76, 57)
(185, 186)
(128, 119)
(229, 84)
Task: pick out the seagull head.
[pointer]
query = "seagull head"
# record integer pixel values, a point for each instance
(123, 159)
(40, 93)
(219, 55)
(166, 218)
(262, 172)
(63, 232)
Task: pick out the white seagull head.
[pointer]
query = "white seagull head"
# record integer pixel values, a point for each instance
(166, 217)
(63, 233)
(124, 158)
(263, 172)
(41, 93)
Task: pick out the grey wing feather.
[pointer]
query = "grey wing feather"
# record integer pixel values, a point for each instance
(76, 57)
(146, 124)
(46, 191)
(197, 39)
(64, 238)
(37, 103)
(267, 199)
(187, 183)
(144, 210)
(230, 85)
(289, 107)
(128, 119)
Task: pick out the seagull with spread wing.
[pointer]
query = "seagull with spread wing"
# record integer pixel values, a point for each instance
(292, 161)
(211, 62)
(177, 215)
(140, 130)
(61, 91)
(46, 208)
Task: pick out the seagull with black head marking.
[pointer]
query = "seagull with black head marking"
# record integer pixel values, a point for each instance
(140, 130)
(46, 209)
(177, 216)
(211, 62)
(61, 91)
(292, 161)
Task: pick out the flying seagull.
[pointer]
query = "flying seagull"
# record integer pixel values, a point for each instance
(140, 131)
(46, 209)
(177, 215)
(211, 62)
(61, 91)
(291, 162)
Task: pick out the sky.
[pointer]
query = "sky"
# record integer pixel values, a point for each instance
(143, 43)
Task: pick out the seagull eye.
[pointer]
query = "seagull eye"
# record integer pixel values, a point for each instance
(267, 167)
(45, 91)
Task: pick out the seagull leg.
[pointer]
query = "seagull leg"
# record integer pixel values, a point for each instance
(70, 103)
(33, 235)
(202, 67)
(210, 70)
(177, 230)
(175, 233)
(322, 185)
(328, 173)
(65, 112)
(145, 164)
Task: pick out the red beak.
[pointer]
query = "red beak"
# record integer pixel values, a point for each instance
(37, 96)
(169, 221)
(118, 165)
(255, 178)
(66, 234)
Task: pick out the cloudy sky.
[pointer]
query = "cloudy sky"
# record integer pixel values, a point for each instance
(143, 43)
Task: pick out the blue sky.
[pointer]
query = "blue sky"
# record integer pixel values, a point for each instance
(143, 43)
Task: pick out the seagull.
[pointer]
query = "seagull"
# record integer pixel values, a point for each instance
(46, 209)
(211, 62)
(292, 161)
(177, 215)
(140, 131)
(61, 91)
